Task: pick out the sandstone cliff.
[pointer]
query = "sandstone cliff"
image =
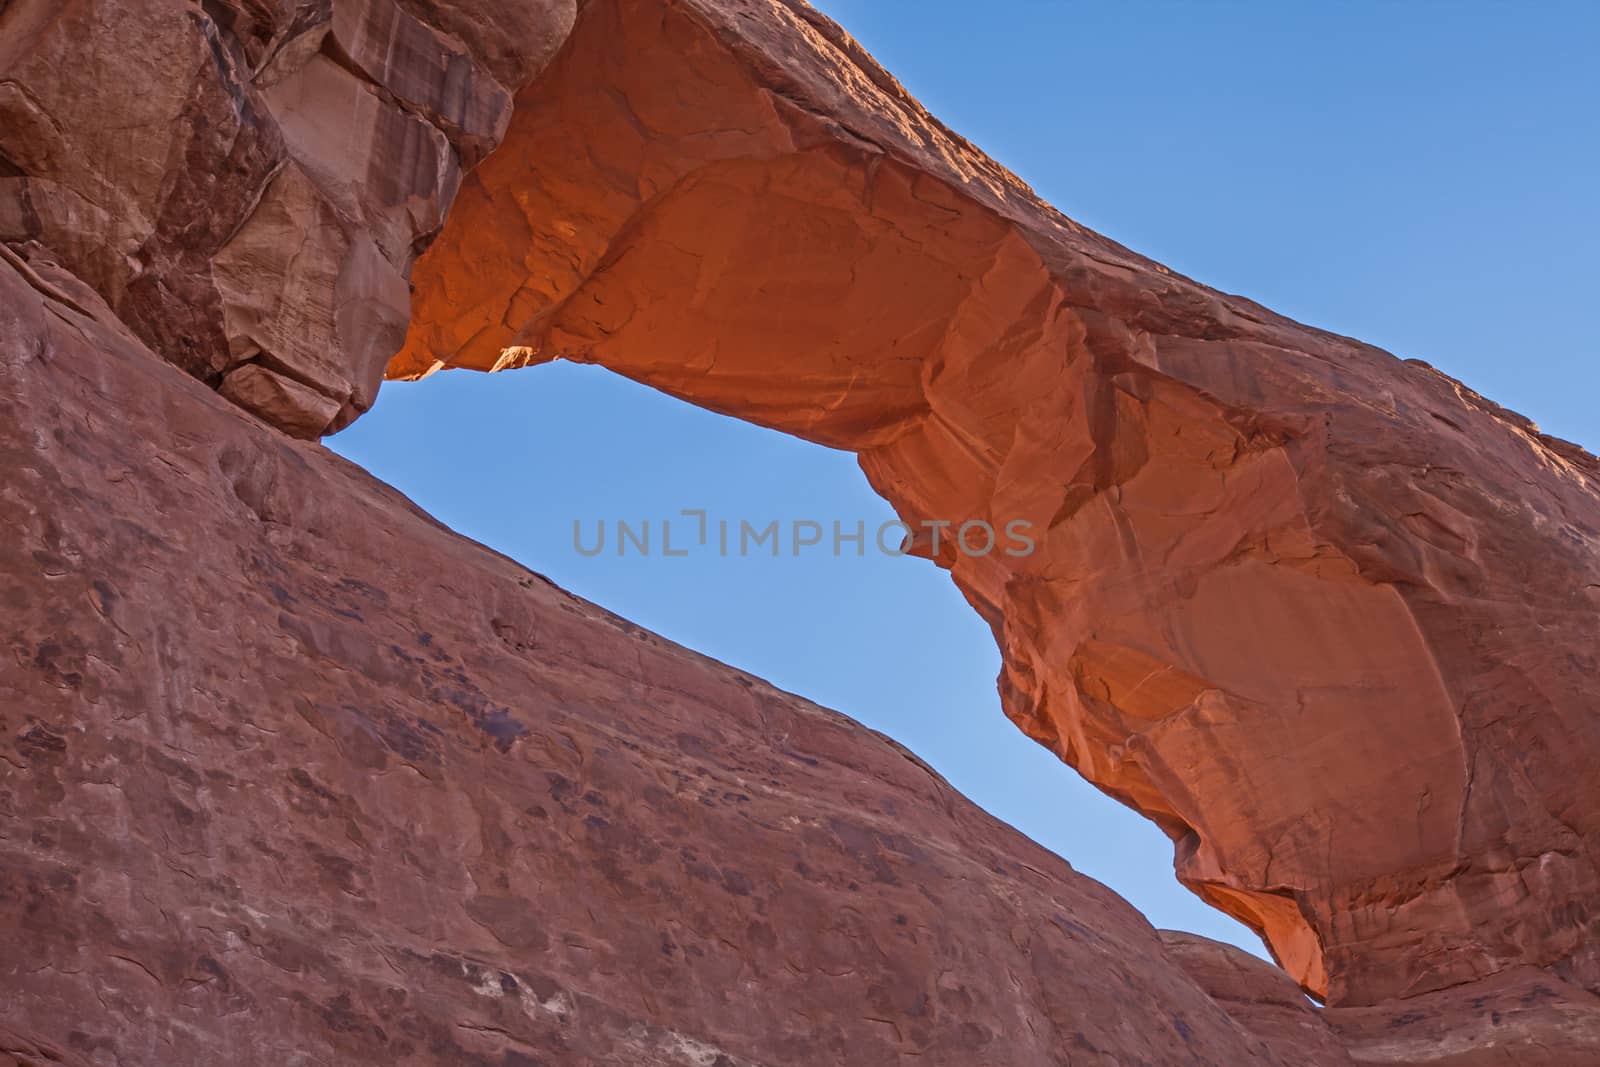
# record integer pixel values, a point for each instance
(287, 763)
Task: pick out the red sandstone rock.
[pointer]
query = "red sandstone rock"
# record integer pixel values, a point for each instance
(248, 181)
(292, 774)
(18, 1050)
(298, 410)
(1327, 617)
(1263, 999)
(1518, 1018)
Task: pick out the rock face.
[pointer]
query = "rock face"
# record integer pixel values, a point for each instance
(1261, 997)
(291, 774)
(247, 182)
(1522, 1017)
(294, 775)
(1328, 617)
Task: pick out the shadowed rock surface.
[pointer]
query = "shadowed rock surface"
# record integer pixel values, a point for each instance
(282, 755)
(1260, 996)
(1517, 1018)
(1522, 1017)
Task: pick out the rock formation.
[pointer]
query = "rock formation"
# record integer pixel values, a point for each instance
(247, 183)
(294, 775)
(1329, 618)
(291, 774)
(1521, 1017)
(1261, 997)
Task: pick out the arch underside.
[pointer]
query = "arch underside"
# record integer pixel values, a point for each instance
(1325, 616)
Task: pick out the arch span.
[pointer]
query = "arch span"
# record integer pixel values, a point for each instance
(1327, 617)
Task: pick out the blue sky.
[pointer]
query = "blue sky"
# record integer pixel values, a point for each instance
(1419, 175)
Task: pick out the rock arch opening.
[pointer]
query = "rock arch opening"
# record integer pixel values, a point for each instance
(1258, 611)
(886, 640)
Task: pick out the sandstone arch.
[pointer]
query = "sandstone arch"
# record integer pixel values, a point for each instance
(1329, 618)
(1326, 616)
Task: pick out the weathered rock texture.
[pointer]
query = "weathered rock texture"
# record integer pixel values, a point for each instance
(294, 776)
(1329, 618)
(1522, 1017)
(1261, 997)
(247, 182)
